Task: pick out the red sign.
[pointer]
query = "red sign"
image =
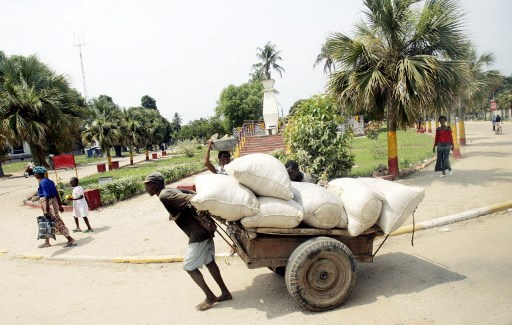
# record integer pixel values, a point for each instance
(493, 105)
(64, 161)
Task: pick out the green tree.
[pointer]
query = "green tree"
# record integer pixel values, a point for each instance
(148, 102)
(324, 57)
(131, 129)
(103, 125)
(478, 86)
(314, 138)
(202, 129)
(503, 94)
(399, 61)
(38, 106)
(269, 58)
(240, 103)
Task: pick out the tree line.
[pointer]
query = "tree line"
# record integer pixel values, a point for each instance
(402, 63)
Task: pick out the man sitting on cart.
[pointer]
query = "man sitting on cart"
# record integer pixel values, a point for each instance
(201, 249)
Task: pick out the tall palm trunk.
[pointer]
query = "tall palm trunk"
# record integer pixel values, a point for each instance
(1, 170)
(462, 126)
(38, 156)
(131, 154)
(109, 158)
(392, 144)
(456, 148)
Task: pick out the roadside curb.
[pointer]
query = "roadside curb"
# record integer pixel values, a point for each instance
(119, 259)
(226, 257)
(441, 221)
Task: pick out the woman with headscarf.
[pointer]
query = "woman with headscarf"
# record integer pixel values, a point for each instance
(51, 205)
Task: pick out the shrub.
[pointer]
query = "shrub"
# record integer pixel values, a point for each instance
(187, 147)
(314, 138)
(130, 186)
(372, 129)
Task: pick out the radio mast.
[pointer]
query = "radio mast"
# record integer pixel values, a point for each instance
(79, 44)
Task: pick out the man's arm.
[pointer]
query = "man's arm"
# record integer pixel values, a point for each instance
(207, 162)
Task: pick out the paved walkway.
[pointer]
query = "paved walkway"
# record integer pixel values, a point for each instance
(138, 228)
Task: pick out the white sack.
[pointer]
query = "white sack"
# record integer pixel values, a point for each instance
(361, 202)
(223, 196)
(399, 203)
(263, 174)
(275, 213)
(322, 208)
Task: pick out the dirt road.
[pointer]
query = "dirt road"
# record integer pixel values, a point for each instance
(454, 275)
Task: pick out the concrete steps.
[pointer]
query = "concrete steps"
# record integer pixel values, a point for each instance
(262, 144)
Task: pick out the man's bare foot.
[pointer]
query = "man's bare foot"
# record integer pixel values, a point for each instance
(44, 245)
(206, 304)
(224, 297)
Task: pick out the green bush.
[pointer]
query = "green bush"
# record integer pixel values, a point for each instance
(315, 140)
(130, 186)
(187, 147)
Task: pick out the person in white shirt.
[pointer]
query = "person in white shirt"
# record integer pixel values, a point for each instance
(80, 207)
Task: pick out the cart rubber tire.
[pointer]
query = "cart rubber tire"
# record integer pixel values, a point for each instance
(320, 274)
(278, 270)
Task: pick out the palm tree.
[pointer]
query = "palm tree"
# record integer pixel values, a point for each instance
(103, 125)
(268, 57)
(38, 106)
(395, 61)
(131, 129)
(323, 56)
(478, 86)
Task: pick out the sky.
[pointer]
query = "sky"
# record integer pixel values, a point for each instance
(184, 53)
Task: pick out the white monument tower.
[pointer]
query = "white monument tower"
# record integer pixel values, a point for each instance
(270, 110)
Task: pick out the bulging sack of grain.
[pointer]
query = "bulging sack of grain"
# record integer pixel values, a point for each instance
(224, 197)
(399, 202)
(275, 213)
(361, 202)
(322, 208)
(262, 174)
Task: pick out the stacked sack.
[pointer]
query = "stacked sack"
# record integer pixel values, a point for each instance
(369, 201)
(259, 193)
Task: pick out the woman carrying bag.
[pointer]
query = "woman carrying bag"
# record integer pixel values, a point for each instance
(51, 205)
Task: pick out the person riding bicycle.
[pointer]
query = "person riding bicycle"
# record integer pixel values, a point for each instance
(498, 123)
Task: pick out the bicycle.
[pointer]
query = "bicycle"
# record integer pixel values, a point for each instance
(499, 128)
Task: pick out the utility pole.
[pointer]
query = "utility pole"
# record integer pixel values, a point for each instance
(79, 44)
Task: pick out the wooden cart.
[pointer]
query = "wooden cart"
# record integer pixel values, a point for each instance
(318, 264)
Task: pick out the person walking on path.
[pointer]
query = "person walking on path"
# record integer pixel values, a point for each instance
(80, 207)
(51, 205)
(224, 159)
(444, 143)
(201, 249)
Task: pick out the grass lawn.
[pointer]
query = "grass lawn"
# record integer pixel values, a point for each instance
(142, 168)
(19, 166)
(413, 147)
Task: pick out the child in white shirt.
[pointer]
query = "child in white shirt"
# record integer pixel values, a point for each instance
(80, 207)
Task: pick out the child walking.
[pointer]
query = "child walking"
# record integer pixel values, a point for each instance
(80, 207)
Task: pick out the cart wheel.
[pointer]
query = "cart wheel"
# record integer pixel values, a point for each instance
(278, 270)
(320, 274)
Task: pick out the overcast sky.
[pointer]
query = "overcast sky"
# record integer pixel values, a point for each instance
(183, 53)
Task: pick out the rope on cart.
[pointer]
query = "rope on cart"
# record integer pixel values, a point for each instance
(231, 245)
(380, 246)
(413, 226)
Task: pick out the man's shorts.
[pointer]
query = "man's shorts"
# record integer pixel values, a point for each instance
(199, 254)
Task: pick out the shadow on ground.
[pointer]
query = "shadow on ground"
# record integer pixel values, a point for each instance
(390, 274)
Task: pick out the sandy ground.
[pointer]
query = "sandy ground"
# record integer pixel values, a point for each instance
(140, 226)
(456, 275)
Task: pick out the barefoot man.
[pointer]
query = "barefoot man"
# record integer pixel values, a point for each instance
(201, 250)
